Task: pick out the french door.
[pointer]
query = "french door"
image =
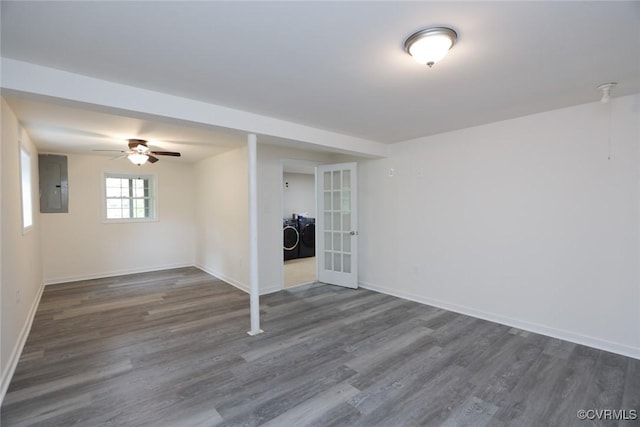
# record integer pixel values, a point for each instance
(337, 224)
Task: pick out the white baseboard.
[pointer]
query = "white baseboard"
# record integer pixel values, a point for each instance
(270, 290)
(236, 283)
(17, 348)
(537, 328)
(233, 282)
(67, 279)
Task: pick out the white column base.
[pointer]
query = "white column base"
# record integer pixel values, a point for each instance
(258, 332)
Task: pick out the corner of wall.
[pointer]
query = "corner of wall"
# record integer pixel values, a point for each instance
(21, 281)
(233, 282)
(12, 363)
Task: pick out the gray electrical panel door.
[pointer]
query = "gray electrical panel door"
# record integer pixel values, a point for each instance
(54, 186)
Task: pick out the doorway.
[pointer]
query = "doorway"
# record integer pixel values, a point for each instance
(298, 221)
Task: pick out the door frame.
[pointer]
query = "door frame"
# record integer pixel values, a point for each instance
(304, 167)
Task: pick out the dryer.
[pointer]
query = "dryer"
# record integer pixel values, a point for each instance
(290, 239)
(307, 230)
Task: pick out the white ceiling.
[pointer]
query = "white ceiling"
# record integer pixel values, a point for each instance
(338, 66)
(63, 129)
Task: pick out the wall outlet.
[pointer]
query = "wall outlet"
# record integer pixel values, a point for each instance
(392, 172)
(18, 296)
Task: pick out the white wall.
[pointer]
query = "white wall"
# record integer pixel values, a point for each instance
(270, 209)
(524, 221)
(79, 245)
(222, 216)
(299, 194)
(21, 272)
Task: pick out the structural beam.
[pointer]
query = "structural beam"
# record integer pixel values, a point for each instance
(81, 91)
(254, 291)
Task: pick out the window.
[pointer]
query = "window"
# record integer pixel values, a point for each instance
(129, 197)
(25, 182)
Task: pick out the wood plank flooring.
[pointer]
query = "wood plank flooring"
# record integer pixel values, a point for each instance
(170, 349)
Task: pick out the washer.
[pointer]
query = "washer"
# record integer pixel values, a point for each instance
(307, 230)
(290, 238)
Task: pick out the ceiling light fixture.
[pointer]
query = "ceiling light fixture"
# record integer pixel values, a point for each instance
(138, 158)
(431, 45)
(606, 91)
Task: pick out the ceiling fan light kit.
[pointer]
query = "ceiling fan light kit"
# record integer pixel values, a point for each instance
(139, 153)
(430, 45)
(138, 158)
(139, 148)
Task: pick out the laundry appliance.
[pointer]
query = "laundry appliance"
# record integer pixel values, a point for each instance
(291, 238)
(307, 231)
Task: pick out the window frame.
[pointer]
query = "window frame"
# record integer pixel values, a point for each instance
(153, 196)
(23, 150)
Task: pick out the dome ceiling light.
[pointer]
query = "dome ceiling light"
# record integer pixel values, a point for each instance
(430, 45)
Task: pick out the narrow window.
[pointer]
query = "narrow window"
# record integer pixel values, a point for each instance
(129, 197)
(27, 193)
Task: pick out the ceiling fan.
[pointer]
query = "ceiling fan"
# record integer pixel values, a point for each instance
(139, 152)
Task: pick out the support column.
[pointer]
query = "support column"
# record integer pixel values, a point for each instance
(254, 292)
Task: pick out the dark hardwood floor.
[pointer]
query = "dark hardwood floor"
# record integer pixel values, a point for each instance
(170, 349)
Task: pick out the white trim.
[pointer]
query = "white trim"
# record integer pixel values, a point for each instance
(128, 220)
(537, 328)
(270, 290)
(311, 164)
(282, 273)
(19, 346)
(22, 148)
(236, 283)
(233, 282)
(67, 279)
(153, 188)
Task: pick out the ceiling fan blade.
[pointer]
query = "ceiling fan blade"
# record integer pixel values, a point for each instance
(133, 143)
(165, 153)
(152, 159)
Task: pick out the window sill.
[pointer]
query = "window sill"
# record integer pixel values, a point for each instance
(128, 220)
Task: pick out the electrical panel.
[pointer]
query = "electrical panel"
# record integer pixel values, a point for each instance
(54, 184)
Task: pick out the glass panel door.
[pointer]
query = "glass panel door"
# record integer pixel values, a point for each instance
(337, 224)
